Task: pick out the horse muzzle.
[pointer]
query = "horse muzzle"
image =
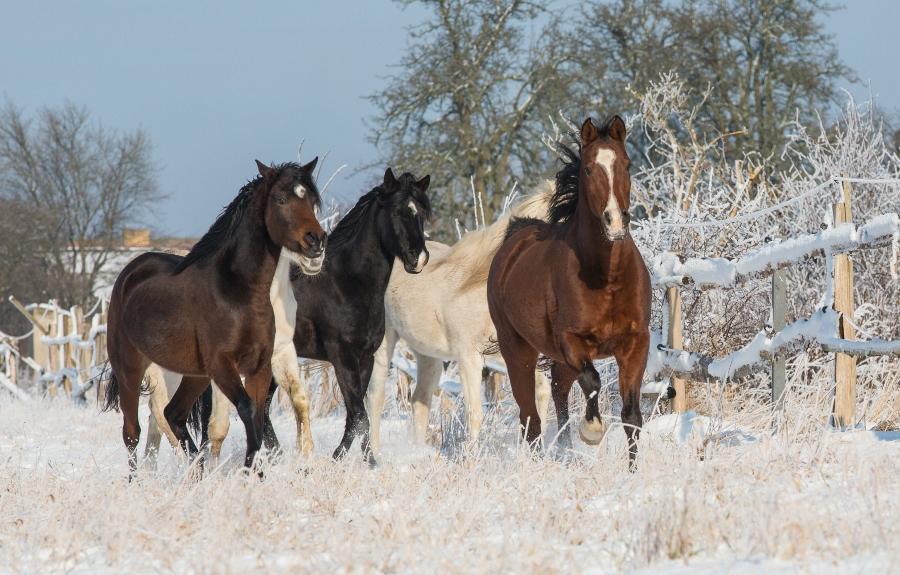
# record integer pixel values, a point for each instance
(418, 265)
(311, 265)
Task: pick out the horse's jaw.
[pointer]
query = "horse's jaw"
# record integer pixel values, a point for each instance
(309, 266)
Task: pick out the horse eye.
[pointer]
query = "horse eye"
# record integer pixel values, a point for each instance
(587, 171)
(281, 199)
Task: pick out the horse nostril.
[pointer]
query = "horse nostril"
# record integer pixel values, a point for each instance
(608, 217)
(312, 240)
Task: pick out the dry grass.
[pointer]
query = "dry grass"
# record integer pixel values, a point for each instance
(803, 496)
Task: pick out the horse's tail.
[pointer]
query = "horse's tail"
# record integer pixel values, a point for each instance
(491, 348)
(198, 418)
(111, 402)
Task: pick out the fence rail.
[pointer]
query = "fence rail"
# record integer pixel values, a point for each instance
(830, 328)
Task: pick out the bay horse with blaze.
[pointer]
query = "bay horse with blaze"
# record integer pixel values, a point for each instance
(208, 314)
(575, 289)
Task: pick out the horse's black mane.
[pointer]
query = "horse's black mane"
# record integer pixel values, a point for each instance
(517, 224)
(346, 229)
(229, 220)
(565, 198)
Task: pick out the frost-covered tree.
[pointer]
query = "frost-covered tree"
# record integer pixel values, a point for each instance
(757, 65)
(470, 100)
(80, 182)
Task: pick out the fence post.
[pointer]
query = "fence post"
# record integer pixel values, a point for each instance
(53, 350)
(844, 365)
(674, 340)
(779, 297)
(100, 344)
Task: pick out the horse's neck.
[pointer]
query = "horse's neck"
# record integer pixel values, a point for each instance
(363, 256)
(252, 256)
(595, 252)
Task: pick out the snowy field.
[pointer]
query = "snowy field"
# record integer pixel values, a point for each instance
(708, 497)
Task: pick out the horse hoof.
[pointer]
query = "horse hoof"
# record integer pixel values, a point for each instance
(591, 431)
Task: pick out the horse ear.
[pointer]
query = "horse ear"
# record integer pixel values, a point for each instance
(389, 179)
(588, 131)
(312, 165)
(615, 127)
(423, 183)
(264, 170)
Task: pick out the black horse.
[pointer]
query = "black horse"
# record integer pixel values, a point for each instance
(340, 311)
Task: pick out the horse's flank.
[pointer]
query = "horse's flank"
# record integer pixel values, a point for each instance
(470, 258)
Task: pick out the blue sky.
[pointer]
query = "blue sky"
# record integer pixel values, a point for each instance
(217, 84)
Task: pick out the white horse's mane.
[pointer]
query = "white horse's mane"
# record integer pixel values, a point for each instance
(470, 258)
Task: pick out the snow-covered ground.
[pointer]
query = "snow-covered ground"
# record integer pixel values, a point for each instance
(709, 497)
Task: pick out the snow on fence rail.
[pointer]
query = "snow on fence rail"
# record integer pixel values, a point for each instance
(669, 268)
(68, 349)
(830, 327)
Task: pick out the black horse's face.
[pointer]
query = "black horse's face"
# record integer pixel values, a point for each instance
(291, 214)
(405, 209)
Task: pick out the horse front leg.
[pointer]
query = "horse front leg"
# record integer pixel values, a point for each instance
(219, 422)
(591, 429)
(349, 376)
(428, 376)
(179, 409)
(287, 374)
(470, 374)
(375, 393)
(365, 376)
(632, 361)
(562, 378)
(156, 424)
(229, 382)
(270, 439)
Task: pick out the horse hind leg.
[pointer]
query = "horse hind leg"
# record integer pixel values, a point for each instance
(521, 359)
(124, 391)
(287, 374)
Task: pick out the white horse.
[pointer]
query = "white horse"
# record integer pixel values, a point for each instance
(161, 384)
(442, 313)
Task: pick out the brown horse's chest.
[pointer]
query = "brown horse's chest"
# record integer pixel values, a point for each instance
(601, 317)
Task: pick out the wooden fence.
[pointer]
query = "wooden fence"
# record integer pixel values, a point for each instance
(830, 327)
(67, 350)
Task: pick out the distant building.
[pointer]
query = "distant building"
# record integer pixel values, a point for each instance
(135, 241)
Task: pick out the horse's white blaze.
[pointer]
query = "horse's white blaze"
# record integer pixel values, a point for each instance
(423, 259)
(300, 191)
(615, 229)
(412, 207)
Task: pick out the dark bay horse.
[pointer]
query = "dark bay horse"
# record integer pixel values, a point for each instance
(208, 314)
(340, 312)
(576, 289)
